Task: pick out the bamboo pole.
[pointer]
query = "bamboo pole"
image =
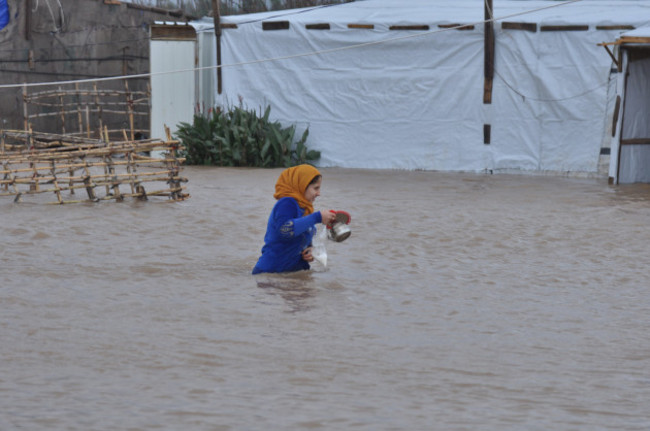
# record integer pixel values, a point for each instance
(143, 160)
(129, 105)
(70, 181)
(65, 152)
(62, 113)
(99, 110)
(79, 116)
(90, 188)
(87, 121)
(85, 92)
(25, 109)
(164, 192)
(57, 191)
(156, 176)
(130, 169)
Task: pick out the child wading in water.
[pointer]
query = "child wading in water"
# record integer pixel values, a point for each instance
(292, 223)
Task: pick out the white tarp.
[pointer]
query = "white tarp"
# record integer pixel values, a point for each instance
(379, 98)
(634, 90)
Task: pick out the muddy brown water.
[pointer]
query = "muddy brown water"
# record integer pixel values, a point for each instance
(460, 302)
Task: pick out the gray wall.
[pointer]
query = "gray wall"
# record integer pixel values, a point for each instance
(57, 40)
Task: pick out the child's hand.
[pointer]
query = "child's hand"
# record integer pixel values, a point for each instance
(327, 217)
(306, 254)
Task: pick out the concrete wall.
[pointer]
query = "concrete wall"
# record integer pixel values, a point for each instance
(58, 40)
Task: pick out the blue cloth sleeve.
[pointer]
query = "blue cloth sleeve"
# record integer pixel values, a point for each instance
(4, 14)
(286, 222)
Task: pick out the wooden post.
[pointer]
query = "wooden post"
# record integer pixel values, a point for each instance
(25, 110)
(130, 169)
(79, 115)
(89, 187)
(217, 32)
(57, 189)
(98, 110)
(71, 183)
(125, 62)
(87, 121)
(62, 101)
(129, 106)
(489, 52)
(28, 20)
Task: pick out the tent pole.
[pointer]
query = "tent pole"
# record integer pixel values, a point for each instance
(623, 64)
(217, 32)
(489, 52)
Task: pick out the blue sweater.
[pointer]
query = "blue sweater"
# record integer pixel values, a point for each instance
(4, 14)
(288, 233)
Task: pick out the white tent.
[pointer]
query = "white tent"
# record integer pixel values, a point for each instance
(630, 161)
(401, 84)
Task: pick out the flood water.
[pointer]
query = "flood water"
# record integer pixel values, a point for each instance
(460, 302)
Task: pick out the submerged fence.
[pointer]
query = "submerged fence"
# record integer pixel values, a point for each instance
(34, 163)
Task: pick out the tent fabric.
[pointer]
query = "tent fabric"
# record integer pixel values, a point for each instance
(638, 32)
(631, 164)
(394, 99)
(637, 101)
(4, 14)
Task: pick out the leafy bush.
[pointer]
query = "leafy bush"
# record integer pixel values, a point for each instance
(239, 137)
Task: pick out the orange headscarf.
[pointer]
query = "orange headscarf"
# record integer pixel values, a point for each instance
(293, 182)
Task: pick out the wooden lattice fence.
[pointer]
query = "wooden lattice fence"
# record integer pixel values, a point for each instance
(88, 110)
(60, 165)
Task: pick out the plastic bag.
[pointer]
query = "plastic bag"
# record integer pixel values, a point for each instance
(319, 252)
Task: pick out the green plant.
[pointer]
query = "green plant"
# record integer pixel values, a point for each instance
(239, 137)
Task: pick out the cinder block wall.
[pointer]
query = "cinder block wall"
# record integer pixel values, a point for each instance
(60, 40)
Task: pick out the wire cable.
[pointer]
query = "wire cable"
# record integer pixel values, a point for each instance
(524, 97)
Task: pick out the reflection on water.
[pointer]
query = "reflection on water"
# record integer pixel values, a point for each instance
(460, 302)
(295, 288)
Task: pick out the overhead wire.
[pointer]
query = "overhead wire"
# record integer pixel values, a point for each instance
(537, 99)
(281, 58)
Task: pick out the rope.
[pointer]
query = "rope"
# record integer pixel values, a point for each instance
(524, 97)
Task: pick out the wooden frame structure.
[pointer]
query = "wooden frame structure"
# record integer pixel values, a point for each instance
(38, 163)
(636, 47)
(86, 112)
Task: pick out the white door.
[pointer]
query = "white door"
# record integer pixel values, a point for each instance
(172, 94)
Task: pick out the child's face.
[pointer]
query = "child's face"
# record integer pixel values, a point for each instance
(313, 191)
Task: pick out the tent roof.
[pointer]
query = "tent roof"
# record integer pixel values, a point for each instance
(389, 12)
(638, 35)
(639, 32)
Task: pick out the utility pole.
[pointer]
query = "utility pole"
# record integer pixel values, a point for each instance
(216, 14)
